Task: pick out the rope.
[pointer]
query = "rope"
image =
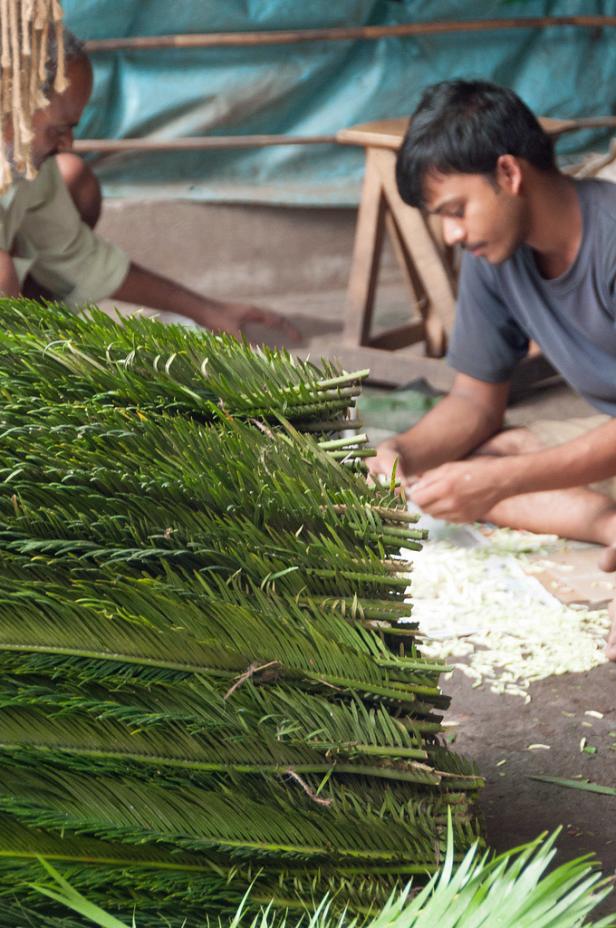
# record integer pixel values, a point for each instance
(24, 52)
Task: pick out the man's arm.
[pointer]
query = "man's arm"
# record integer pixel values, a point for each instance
(467, 490)
(9, 284)
(149, 289)
(587, 459)
(471, 413)
(79, 267)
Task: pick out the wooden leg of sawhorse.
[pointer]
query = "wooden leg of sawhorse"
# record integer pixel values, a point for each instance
(430, 328)
(431, 289)
(367, 251)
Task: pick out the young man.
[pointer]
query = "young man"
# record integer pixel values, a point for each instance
(47, 246)
(539, 263)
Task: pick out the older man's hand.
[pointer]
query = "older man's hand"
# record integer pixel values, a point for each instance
(236, 316)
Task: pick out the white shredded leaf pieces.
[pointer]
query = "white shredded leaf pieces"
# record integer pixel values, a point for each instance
(474, 601)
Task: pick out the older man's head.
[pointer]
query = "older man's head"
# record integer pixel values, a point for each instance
(53, 124)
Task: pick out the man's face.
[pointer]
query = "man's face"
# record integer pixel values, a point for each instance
(53, 125)
(485, 216)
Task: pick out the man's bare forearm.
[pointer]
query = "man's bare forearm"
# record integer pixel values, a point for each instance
(448, 432)
(461, 422)
(587, 459)
(462, 491)
(147, 288)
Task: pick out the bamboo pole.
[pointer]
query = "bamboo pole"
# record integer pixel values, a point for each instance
(199, 143)
(586, 122)
(263, 141)
(351, 33)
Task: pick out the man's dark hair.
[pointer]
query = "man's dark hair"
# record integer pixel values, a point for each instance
(463, 127)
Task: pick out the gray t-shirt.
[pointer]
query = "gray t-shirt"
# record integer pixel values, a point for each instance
(572, 317)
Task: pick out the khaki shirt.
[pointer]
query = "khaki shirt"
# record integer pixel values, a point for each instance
(41, 228)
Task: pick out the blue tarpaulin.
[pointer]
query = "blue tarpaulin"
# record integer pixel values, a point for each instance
(314, 88)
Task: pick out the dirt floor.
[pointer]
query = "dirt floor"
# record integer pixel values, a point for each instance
(492, 728)
(517, 809)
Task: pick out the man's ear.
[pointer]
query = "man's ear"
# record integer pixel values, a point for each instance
(509, 174)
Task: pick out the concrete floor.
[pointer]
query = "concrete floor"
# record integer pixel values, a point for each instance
(297, 262)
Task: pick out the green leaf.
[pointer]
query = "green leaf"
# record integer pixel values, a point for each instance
(69, 897)
(511, 890)
(585, 785)
(208, 679)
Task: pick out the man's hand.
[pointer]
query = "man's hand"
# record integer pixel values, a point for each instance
(387, 454)
(234, 317)
(463, 491)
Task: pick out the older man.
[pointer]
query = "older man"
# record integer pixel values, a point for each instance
(47, 243)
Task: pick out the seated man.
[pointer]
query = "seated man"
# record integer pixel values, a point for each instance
(539, 263)
(47, 246)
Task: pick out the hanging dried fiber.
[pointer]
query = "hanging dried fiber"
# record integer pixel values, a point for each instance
(24, 46)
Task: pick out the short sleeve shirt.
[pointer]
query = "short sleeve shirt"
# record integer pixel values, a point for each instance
(41, 228)
(571, 317)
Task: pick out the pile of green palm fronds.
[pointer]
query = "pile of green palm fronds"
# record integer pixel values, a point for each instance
(511, 891)
(204, 680)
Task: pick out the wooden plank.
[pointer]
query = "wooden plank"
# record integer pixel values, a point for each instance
(400, 337)
(381, 133)
(198, 143)
(388, 368)
(388, 133)
(385, 133)
(366, 256)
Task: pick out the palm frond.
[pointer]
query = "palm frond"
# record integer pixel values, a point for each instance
(56, 355)
(252, 820)
(511, 890)
(207, 670)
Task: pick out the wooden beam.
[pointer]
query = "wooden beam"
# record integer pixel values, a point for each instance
(397, 368)
(367, 249)
(348, 136)
(338, 34)
(389, 368)
(200, 143)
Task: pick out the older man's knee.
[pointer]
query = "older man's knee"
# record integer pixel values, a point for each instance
(82, 185)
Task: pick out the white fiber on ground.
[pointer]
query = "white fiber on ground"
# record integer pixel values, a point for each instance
(474, 601)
